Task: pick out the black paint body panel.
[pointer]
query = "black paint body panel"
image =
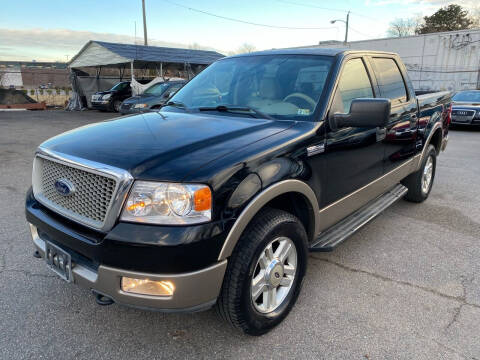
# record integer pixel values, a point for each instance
(238, 157)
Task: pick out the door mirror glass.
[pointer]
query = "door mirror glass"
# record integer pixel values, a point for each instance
(365, 112)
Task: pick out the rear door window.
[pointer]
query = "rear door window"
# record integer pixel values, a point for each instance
(390, 80)
(354, 83)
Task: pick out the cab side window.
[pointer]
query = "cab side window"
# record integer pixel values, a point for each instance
(354, 83)
(390, 80)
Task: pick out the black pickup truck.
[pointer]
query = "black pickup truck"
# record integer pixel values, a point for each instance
(218, 198)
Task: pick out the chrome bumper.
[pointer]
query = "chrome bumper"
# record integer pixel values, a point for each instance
(194, 291)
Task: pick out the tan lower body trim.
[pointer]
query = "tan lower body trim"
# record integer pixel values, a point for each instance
(338, 210)
(192, 290)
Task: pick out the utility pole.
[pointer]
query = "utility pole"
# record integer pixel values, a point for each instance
(144, 24)
(346, 26)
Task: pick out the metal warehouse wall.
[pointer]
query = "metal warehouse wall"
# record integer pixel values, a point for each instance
(439, 61)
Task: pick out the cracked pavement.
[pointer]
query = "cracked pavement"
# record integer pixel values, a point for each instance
(406, 286)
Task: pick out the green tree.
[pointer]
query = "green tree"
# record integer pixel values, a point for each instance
(450, 18)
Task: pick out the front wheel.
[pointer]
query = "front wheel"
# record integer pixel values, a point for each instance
(265, 273)
(116, 105)
(420, 183)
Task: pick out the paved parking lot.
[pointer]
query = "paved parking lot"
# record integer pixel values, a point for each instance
(407, 286)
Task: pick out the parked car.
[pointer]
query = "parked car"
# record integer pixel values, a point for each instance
(111, 100)
(152, 98)
(217, 199)
(466, 108)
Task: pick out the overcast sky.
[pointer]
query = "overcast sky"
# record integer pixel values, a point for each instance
(53, 30)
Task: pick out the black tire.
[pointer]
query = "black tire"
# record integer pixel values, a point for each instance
(414, 181)
(116, 105)
(235, 304)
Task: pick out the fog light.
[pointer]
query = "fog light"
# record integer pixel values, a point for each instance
(147, 287)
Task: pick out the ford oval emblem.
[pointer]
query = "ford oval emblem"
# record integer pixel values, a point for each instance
(64, 187)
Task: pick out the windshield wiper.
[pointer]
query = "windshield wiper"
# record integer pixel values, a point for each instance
(177, 104)
(237, 109)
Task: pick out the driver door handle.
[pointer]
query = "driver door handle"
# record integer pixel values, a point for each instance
(381, 133)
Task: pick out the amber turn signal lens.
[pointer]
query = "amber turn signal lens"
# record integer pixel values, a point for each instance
(202, 199)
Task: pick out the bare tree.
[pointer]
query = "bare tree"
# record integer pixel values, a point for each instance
(196, 46)
(404, 27)
(246, 48)
(475, 17)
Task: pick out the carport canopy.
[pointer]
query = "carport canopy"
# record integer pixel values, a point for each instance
(100, 53)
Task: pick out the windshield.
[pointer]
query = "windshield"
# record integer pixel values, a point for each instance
(156, 89)
(281, 86)
(120, 86)
(467, 96)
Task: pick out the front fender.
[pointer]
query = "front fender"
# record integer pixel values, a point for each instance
(260, 200)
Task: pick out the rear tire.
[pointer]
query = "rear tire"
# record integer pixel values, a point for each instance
(265, 273)
(420, 183)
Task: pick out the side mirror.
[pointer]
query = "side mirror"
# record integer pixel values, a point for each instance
(364, 112)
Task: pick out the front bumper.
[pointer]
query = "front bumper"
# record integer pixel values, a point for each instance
(194, 291)
(101, 105)
(475, 122)
(133, 110)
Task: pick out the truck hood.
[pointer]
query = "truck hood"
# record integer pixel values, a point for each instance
(163, 146)
(105, 92)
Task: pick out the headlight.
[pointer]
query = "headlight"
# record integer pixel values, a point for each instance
(168, 203)
(140, 106)
(106, 96)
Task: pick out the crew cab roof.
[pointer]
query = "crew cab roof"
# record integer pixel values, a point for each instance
(312, 51)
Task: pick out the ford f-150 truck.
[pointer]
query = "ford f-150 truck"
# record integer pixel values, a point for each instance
(217, 199)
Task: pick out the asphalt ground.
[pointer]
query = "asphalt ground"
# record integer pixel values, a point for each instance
(407, 286)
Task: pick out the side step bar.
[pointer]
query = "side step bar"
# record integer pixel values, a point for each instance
(339, 232)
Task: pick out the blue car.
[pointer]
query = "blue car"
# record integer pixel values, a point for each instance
(152, 98)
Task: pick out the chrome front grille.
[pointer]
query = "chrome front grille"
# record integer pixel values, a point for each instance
(91, 197)
(460, 115)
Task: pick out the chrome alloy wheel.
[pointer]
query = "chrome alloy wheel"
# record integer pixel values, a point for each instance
(427, 175)
(274, 274)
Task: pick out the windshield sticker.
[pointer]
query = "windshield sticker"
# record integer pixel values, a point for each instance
(303, 112)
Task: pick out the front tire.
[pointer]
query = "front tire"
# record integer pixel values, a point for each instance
(420, 183)
(116, 105)
(265, 273)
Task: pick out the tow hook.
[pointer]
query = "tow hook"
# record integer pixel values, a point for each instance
(102, 299)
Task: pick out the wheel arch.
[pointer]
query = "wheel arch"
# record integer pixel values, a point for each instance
(275, 195)
(435, 137)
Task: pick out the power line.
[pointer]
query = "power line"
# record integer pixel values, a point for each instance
(244, 21)
(361, 33)
(324, 8)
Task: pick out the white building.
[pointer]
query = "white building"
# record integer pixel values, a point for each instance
(438, 61)
(11, 76)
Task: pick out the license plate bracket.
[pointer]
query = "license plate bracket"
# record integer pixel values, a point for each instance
(59, 261)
